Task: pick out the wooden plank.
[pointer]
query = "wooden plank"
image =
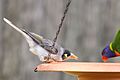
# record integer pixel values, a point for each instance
(85, 70)
(80, 67)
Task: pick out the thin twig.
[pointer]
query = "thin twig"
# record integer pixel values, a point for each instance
(61, 23)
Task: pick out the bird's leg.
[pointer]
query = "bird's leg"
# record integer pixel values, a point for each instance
(47, 62)
(47, 58)
(52, 61)
(55, 61)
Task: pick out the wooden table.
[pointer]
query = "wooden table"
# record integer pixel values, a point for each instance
(85, 70)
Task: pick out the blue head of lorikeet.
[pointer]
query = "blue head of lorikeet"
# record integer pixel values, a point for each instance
(107, 53)
(112, 49)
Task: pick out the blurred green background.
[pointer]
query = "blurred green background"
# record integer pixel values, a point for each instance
(88, 27)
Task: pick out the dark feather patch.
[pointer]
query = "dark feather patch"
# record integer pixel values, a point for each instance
(33, 38)
(66, 52)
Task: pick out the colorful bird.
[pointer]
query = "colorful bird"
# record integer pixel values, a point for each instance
(113, 49)
(42, 47)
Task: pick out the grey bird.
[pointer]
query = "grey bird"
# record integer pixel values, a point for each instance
(43, 47)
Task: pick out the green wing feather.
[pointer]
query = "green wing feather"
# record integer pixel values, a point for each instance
(116, 42)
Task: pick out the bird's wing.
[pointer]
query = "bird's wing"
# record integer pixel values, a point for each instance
(35, 37)
(48, 45)
(44, 43)
(38, 37)
(27, 37)
(116, 42)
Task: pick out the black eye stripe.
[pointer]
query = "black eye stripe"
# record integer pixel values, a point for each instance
(66, 52)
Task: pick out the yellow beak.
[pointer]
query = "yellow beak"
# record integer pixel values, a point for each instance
(73, 57)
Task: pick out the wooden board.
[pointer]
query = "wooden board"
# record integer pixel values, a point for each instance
(85, 70)
(80, 67)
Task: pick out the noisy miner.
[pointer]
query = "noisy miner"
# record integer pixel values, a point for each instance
(43, 47)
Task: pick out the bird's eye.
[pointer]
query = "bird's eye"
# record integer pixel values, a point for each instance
(65, 55)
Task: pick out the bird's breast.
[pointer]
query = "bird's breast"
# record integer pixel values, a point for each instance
(42, 53)
(38, 50)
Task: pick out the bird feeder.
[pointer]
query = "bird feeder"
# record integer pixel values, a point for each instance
(84, 70)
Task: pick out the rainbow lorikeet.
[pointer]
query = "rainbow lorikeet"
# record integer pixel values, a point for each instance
(113, 49)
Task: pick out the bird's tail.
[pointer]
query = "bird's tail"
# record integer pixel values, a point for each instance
(27, 37)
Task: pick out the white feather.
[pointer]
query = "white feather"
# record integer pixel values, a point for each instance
(29, 40)
(41, 52)
(37, 49)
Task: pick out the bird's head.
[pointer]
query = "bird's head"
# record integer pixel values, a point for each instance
(68, 55)
(107, 53)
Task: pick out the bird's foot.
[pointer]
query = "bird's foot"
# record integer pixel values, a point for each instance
(50, 61)
(47, 61)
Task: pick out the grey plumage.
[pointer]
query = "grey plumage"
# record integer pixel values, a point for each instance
(40, 46)
(46, 44)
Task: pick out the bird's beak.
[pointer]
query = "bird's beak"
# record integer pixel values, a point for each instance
(73, 57)
(104, 58)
